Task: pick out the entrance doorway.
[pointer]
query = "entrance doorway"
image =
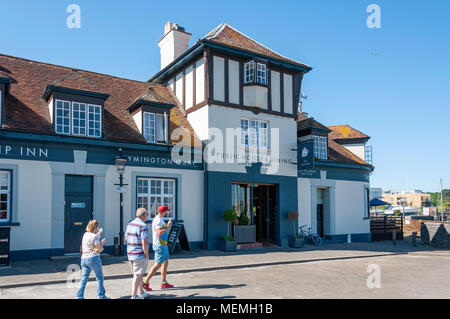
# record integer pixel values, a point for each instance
(77, 210)
(320, 211)
(258, 203)
(264, 209)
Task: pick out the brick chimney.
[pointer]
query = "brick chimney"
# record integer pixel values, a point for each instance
(174, 42)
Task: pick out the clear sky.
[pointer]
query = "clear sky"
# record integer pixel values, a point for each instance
(392, 83)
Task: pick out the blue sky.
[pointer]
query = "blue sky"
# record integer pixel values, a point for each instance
(391, 83)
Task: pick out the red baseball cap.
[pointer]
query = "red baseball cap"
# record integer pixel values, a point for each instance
(162, 209)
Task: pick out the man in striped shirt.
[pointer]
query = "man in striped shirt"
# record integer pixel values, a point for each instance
(137, 251)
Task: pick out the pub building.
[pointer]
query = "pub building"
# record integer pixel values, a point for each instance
(63, 129)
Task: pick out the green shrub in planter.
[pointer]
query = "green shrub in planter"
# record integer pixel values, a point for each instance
(244, 220)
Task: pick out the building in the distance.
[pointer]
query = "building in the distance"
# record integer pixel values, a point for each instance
(376, 192)
(412, 199)
(62, 130)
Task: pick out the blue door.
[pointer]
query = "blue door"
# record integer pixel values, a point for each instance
(78, 210)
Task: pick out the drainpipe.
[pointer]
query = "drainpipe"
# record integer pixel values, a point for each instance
(205, 202)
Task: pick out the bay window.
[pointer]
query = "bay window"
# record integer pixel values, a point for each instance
(79, 119)
(255, 72)
(154, 192)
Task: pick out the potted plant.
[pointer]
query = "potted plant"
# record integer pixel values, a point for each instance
(243, 232)
(295, 241)
(228, 242)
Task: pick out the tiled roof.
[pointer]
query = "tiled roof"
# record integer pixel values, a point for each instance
(339, 132)
(225, 34)
(336, 152)
(310, 123)
(26, 110)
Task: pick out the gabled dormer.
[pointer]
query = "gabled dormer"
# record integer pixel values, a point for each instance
(352, 139)
(152, 118)
(75, 106)
(228, 68)
(5, 82)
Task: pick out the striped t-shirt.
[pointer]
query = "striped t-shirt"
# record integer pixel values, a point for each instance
(136, 231)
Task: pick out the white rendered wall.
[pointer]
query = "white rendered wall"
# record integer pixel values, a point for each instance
(179, 87)
(287, 85)
(190, 201)
(357, 149)
(199, 82)
(224, 117)
(189, 87)
(275, 90)
(219, 78)
(351, 208)
(304, 202)
(34, 205)
(137, 117)
(233, 81)
(200, 122)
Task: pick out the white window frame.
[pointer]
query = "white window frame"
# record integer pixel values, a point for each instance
(63, 126)
(255, 72)
(72, 127)
(320, 147)
(8, 197)
(261, 73)
(249, 72)
(140, 194)
(146, 129)
(253, 135)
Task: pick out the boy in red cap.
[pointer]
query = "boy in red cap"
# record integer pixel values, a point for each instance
(160, 236)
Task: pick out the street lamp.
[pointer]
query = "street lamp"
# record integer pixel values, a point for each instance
(121, 163)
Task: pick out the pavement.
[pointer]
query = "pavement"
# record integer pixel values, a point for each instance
(330, 271)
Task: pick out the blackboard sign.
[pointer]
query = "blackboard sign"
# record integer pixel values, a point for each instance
(177, 232)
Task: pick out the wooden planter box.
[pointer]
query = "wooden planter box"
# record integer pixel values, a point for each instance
(296, 242)
(244, 234)
(228, 245)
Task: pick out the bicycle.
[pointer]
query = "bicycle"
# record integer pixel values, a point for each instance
(313, 238)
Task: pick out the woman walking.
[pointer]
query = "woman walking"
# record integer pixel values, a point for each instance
(90, 259)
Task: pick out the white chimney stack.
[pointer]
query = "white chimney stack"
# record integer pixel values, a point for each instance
(174, 42)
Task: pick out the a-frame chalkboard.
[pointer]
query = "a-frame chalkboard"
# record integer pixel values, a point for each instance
(177, 232)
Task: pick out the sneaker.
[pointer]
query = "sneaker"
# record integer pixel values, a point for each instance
(145, 295)
(146, 286)
(166, 285)
(104, 297)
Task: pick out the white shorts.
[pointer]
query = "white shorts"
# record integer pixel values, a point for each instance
(139, 267)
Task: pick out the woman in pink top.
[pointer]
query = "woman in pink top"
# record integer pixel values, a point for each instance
(90, 259)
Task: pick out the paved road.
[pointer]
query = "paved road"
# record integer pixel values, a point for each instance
(419, 274)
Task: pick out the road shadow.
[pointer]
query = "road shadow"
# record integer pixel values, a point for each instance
(172, 296)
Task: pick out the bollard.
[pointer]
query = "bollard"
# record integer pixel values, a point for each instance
(414, 237)
(116, 246)
(394, 237)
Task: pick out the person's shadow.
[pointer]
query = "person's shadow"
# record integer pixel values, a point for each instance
(156, 295)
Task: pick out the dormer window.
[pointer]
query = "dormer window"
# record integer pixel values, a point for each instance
(75, 112)
(152, 119)
(79, 119)
(155, 127)
(255, 72)
(320, 147)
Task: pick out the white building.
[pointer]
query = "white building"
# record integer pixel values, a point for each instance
(62, 128)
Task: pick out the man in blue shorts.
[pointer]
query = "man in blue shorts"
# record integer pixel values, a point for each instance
(160, 235)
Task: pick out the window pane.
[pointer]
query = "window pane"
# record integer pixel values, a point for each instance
(78, 118)
(4, 196)
(94, 122)
(149, 126)
(160, 130)
(62, 118)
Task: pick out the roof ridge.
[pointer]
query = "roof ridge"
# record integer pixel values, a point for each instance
(257, 42)
(68, 67)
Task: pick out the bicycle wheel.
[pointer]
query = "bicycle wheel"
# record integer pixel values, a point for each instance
(317, 240)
